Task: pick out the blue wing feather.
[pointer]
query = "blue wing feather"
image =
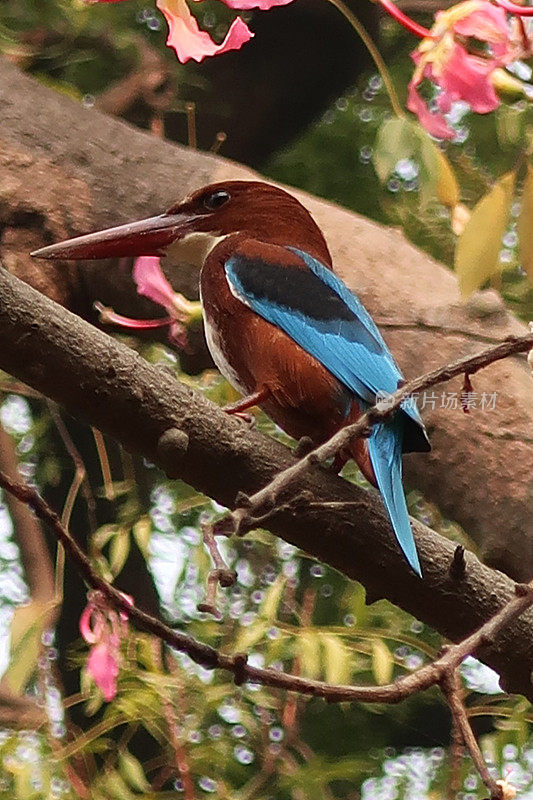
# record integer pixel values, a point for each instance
(360, 312)
(385, 451)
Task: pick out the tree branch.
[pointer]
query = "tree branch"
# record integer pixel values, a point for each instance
(144, 408)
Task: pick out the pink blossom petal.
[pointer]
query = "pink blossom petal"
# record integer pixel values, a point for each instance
(246, 5)
(151, 282)
(444, 102)
(467, 77)
(433, 122)
(103, 667)
(90, 628)
(189, 41)
(178, 336)
(107, 315)
(488, 24)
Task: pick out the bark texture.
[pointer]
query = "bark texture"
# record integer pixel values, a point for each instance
(65, 170)
(149, 412)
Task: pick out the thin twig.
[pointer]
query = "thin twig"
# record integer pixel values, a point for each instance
(243, 518)
(376, 56)
(80, 479)
(419, 325)
(181, 761)
(453, 691)
(456, 758)
(221, 574)
(190, 109)
(107, 478)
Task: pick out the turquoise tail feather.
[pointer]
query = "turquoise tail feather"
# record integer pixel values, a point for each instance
(385, 450)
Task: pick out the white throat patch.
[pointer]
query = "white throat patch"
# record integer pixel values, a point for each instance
(193, 248)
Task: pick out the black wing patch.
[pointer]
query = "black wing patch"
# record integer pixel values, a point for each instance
(292, 287)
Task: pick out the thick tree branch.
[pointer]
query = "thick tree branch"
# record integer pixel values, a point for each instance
(142, 406)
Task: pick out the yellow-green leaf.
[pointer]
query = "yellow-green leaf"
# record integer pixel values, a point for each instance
(308, 651)
(525, 225)
(269, 607)
(396, 139)
(430, 168)
(382, 662)
(119, 550)
(249, 636)
(132, 771)
(27, 629)
(478, 248)
(403, 138)
(142, 530)
(116, 786)
(510, 125)
(103, 535)
(337, 659)
(22, 778)
(447, 186)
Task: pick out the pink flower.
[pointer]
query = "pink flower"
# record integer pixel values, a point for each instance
(151, 282)
(247, 5)
(103, 666)
(103, 628)
(189, 41)
(443, 59)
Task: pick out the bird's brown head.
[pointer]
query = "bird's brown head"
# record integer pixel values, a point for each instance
(258, 209)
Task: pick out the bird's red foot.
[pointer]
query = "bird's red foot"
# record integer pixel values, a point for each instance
(339, 461)
(237, 409)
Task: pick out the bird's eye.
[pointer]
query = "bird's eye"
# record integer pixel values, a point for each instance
(216, 199)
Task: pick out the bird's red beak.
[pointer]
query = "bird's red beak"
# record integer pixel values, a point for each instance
(146, 237)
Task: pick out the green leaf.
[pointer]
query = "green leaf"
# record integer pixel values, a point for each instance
(27, 628)
(525, 225)
(430, 168)
(119, 550)
(397, 138)
(357, 604)
(510, 125)
(478, 247)
(382, 662)
(132, 771)
(404, 138)
(337, 659)
(22, 778)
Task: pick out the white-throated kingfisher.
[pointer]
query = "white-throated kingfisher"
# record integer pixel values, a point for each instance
(282, 328)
